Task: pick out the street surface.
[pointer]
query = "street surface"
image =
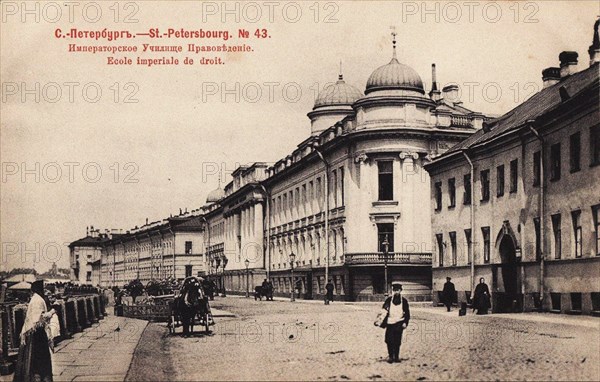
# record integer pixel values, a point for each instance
(281, 340)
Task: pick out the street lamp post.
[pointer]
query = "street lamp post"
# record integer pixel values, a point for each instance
(247, 262)
(217, 262)
(224, 262)
(386, 248)
(292, 260)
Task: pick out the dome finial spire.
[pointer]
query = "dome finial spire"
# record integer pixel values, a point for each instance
(341, 75)
(394, 34)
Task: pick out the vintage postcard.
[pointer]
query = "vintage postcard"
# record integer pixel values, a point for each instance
(299, 190)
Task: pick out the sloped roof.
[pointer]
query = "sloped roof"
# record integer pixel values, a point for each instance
(89, 241)
(539, 104)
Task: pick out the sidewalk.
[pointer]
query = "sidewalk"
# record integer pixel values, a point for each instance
(102, 352)
(585, 321)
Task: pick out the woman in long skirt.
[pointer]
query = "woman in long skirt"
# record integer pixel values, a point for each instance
(481, 298)
(35, 358)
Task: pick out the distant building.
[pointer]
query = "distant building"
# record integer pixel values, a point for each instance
(171, 248)
(85, 257)
(526, 215)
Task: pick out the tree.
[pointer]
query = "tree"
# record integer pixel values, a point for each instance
(135, 288)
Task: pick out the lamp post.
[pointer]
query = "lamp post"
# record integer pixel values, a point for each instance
(386, 248)
(217, 263)
(247, 262)
(292, 260)
(224, 262)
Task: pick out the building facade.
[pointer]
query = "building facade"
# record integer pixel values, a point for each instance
(85, 257)
(518, 202)
(171, 248)
(351, 202)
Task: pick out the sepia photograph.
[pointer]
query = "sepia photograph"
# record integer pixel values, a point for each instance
(299, 190)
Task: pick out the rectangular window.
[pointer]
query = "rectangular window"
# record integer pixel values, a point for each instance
(438, 196)
(386, 180)
(88, 276)
(557, 235)
(341, 172)
(575, 152)
(500, 181)
(385, 233)
(485, 185)
(538, 239)
(304, 197)
(439, 238)
(594, 145)
(596, 218)
(537, 168)
(576, 217)
(469, 245)
(453, 246)
(319, 188)
(280, 209)
(452, 192)
(467, 187)
(485, 231)
(514, 175)
(188, 247)
(334, 188)
(555, 161)
(188, 270)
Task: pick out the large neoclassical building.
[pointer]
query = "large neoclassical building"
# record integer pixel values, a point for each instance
(349, 204)
(351, 198)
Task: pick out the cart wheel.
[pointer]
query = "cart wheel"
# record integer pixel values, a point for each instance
(171, 325)
(206, 323)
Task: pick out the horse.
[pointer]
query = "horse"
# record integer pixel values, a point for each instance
(190, 302)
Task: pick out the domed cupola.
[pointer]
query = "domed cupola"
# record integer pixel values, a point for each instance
(333, 104)
(215, 195)
(394, 79)
(338, 94)
(395, 76)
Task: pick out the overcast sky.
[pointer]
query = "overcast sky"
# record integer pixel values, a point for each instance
(178, 131)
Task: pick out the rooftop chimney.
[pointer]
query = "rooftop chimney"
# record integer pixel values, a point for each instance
(568, 63)
(451, 93)
(434, 94)
(594, 49)
(550, 76)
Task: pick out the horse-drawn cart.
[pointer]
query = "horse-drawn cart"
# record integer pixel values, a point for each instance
(189, 307)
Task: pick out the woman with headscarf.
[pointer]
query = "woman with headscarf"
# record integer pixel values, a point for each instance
(35, 354)
(481, 298)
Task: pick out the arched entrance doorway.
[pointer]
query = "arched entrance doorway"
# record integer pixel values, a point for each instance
(507, 279)
(509, 266)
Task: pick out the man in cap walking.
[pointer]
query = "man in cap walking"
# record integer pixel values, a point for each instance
(398, 316)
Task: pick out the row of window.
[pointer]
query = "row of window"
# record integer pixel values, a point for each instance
(555, 171)
(485, 186)
(294, 204)
(441, 246)
(557, 232)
